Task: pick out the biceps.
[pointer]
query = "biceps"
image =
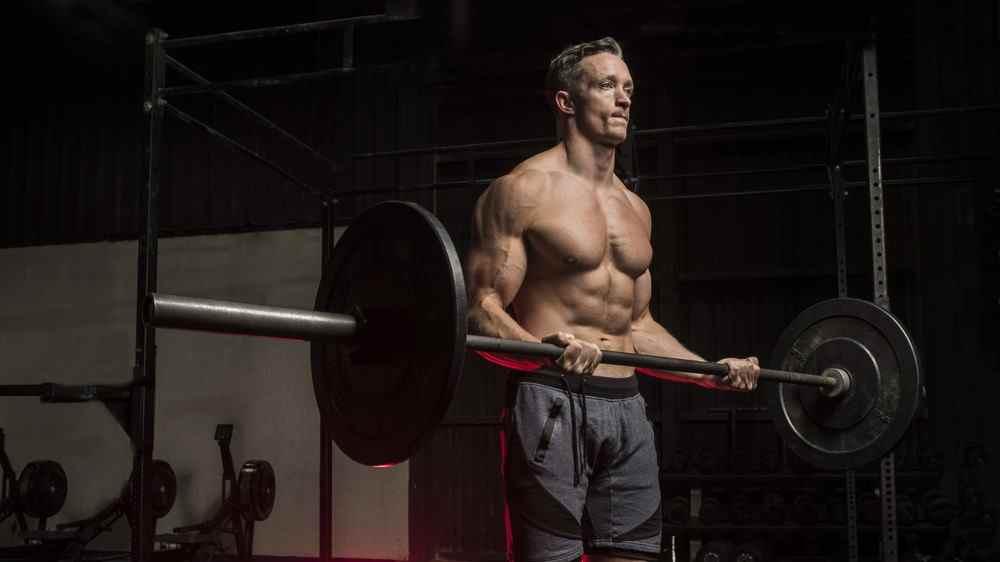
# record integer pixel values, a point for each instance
(643, 294)
(496, 270)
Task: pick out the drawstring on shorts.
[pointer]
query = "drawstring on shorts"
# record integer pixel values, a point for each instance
(579, 438)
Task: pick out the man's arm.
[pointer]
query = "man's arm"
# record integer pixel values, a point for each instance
(649, 337)
(497, 263)
(497, 259)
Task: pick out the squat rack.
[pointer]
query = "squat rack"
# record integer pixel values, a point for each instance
(142, 399)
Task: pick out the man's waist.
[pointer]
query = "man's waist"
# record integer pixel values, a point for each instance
(590, 385)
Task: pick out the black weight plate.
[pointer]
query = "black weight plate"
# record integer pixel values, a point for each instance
(385, 390)
(41, 488)
(164, 489)
(257, 489)
(854, 429)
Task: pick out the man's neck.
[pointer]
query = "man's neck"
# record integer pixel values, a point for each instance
(590, 160)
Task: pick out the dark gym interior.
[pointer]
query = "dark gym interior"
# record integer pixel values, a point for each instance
(762, 137)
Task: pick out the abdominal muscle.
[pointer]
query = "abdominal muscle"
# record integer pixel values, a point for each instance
(595, 306)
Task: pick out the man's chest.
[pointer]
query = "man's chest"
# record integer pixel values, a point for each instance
(585, 231)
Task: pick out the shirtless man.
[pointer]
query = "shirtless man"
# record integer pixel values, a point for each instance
(564, 245)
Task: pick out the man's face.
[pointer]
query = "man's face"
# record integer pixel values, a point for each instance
(603, 98)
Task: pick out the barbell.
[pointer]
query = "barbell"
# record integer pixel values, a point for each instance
(389, 339)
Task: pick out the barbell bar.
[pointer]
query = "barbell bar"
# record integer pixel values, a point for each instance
(228, 317)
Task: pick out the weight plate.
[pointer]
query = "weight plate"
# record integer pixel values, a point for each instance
(869, 420)
(41, 488)
(164, 489)
(386, 389)
(257, 489)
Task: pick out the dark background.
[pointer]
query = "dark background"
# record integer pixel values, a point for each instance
(730, 272)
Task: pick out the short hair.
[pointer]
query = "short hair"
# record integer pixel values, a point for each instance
(564, 70)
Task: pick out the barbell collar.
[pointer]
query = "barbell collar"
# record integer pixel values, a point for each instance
(844, 379)
(227, 317)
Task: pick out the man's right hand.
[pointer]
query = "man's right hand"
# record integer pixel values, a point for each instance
(579, 356)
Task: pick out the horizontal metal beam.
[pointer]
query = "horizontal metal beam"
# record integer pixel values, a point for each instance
(261, 82)
(481, 182)
(67, 393)
(730, 125)
(21, 389)
(456, 148)
(935, 111)
(278, 31)
(808, 187)
(443, 185)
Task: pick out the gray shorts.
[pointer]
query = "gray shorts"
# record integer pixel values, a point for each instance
(581, 476)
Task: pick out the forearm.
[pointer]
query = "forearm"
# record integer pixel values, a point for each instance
(487, 317)
(650, 338)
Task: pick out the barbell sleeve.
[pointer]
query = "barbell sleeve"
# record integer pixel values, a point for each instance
(210, 315)
(227, 317)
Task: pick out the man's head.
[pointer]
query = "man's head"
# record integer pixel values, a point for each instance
(590, 85)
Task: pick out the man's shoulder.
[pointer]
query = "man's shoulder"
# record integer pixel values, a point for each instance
(522, 182)
(637, 203)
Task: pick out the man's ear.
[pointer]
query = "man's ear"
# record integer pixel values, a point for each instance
(564, 103)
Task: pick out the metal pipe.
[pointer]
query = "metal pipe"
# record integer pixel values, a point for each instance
(817, 166)
(277, 80)
(416, 187)
(925, 159)
(934, 111)
(68, 393)
(760, 191)
(807, 120)
(21, 389)
(731, 125)
(675, 366)
(809, 187)
(280, 30)
(735, 172)
(755, 191)
(228, 98)
(188, 313)
(454, 148)
(191, 120)
(208, 315)
(142, 406)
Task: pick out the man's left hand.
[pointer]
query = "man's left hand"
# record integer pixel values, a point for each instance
(743, 373)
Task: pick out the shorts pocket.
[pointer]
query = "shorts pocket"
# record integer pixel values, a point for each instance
(545, 439)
